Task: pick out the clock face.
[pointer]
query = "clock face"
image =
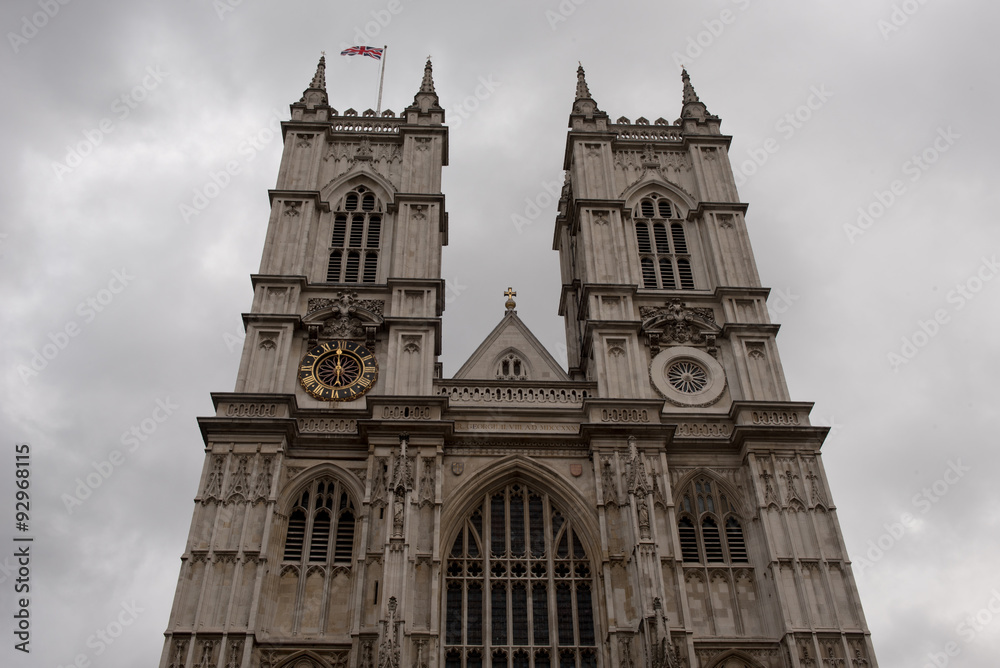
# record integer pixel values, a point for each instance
(338, 371)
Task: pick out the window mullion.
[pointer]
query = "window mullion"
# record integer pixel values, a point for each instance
(550, 589)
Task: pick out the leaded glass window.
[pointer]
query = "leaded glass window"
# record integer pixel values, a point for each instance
(519, 587)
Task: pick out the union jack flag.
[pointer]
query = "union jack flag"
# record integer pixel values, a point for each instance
(369, 51)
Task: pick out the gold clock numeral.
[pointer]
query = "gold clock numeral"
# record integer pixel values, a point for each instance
(364, 382)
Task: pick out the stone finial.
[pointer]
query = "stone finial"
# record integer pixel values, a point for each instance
(510, 294)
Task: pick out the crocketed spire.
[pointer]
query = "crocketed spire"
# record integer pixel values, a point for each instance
(689, 94)
(693, 107)
(583, 104)
(315, 94)
(582, 91)
(427, 85)
(319, 79)
(426, 98)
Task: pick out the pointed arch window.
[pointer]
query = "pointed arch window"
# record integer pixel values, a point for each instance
(321, 526)
(708, 527)
(356, 240)
(512, 367)
(519, 587)
(663, 252)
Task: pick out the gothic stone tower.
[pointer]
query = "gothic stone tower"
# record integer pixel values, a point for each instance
(660, 504)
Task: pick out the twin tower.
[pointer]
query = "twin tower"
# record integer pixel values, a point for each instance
(661, 503)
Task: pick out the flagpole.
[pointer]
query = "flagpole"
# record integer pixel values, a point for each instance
(381, 78)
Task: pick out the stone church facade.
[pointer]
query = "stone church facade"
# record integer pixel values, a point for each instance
(661, 503)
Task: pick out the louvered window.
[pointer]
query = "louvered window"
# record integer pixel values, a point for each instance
(356, 225)
(708, 528)
(519, 587)
(321, 526)
(663, 252)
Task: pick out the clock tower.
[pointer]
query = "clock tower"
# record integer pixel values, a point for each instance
(660, 503)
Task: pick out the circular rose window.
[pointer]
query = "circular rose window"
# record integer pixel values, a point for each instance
(687, 376)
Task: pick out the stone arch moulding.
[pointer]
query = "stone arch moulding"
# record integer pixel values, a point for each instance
(730, 659)
(339, 186)
(742, 505)
(643, 187)
(301, 656)
(291, 490)
(533, 474)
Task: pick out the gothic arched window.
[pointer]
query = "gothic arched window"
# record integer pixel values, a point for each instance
(708, 526)
(519, 588)
(357, 225)
(663, 251)
(321, 526)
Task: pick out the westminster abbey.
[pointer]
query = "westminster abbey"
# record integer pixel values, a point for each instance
(660, 503)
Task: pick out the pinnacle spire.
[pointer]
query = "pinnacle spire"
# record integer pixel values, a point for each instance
(689, 94)
(427, 85)
(582, 91)
(426, 98)
(693, 107)
(584, 103)
(319, 79)
(315, 94)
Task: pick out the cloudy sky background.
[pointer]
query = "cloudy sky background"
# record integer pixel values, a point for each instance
(186, 87)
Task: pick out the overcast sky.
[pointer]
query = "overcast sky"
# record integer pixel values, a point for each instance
(117, 113)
